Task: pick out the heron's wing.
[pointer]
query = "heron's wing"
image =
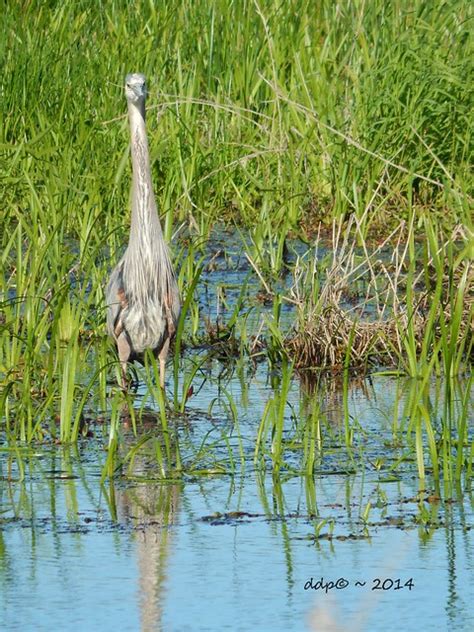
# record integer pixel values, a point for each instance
(114, 303)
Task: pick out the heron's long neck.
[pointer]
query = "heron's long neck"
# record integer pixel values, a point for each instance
(145, 224)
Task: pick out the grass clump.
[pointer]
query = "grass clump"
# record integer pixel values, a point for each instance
(385, 308)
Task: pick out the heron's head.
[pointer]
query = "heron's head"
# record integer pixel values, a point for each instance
(135, 87)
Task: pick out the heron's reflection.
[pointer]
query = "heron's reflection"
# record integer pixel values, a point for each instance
(150, 506)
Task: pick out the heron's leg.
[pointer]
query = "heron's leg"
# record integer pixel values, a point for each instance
(124, 350)
(162, 355)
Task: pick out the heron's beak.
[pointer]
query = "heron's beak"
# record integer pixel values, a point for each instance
(139, 90)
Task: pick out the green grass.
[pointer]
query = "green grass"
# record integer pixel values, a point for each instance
(276, 118)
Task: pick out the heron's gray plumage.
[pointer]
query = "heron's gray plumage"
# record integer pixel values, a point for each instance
(142, 294)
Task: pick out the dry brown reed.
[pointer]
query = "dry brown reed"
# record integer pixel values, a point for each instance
(336, 328)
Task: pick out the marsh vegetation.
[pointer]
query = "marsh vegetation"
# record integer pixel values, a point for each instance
(312, 163)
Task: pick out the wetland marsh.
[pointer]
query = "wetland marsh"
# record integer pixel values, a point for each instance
(309, 465)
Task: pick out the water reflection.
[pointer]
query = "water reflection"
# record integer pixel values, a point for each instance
(152, 509)
(61, 514)
(134, 549)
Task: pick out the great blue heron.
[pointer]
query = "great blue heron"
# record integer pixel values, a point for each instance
(142, 296)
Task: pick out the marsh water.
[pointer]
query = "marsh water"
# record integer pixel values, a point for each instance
(233, 544)
(242, 552)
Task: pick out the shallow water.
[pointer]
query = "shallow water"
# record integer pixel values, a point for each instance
(222, 552)
(232, 546)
